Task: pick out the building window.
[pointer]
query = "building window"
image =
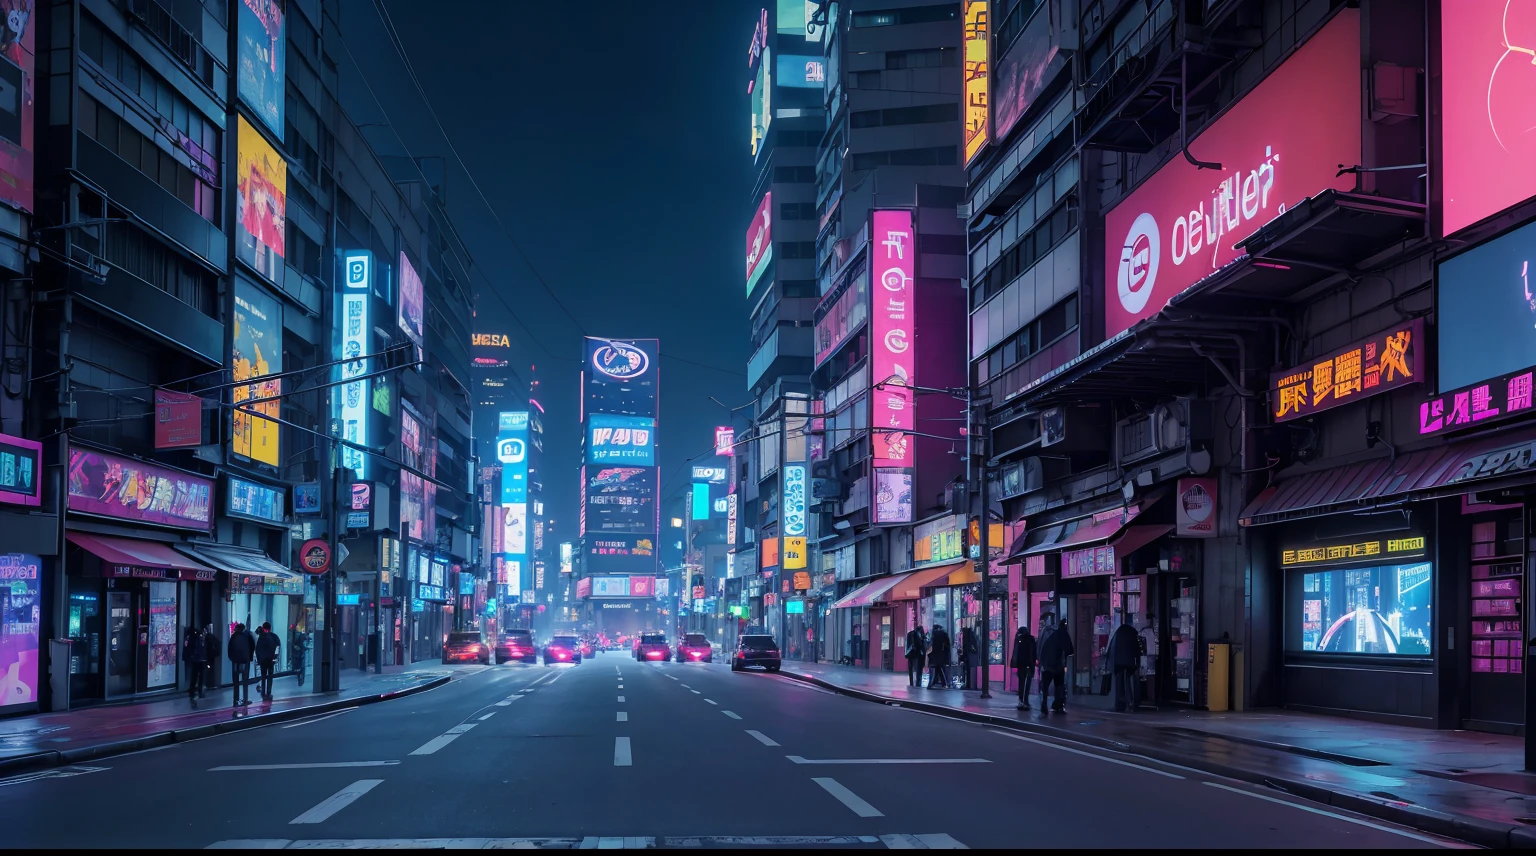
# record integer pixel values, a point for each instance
(797, 211)
(1033, 338)
(797, 249)
(121, 138)
(794, 175)
(912, 15)
(920, 115)
(925, 58)
(932, 156)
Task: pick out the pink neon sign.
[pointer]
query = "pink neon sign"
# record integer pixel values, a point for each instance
(891, 341)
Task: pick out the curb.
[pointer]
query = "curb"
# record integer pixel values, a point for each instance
(65, 757)
(1484, 833)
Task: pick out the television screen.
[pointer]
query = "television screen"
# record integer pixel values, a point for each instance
(1380, 610)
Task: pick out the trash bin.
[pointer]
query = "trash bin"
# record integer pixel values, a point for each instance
(58, 673)
(1218, 658)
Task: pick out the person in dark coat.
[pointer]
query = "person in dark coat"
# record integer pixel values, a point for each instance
(267, 644)
(917, 644)
(210, 661)
(1024, 656)
(1054, 652)
(194, 652)
(938, 658)
(240, 650)
(969, 648)
(1124, 654)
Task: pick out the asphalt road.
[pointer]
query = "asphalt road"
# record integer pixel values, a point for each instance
(680, 754)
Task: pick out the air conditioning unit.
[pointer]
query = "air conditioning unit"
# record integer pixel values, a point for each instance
(1169, 427)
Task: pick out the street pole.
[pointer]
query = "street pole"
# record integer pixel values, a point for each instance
(986, 555)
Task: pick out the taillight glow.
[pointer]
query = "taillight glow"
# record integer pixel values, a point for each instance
(653, 655)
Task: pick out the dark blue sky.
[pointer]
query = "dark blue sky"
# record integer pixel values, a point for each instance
(612, 139)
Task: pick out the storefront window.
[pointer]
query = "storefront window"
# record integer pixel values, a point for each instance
(19, 575)
(164, 646)
(1379, 610)
(87, 624)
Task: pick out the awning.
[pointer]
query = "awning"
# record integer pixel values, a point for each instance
(1078, 533)
(1133, 538)
(912, 587)
(863, 595)
(964, 576)
(241, 560)
(133, 557)
(1446, 470)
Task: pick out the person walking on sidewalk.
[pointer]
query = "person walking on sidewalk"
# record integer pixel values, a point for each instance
(266, 657)
(242, 646)
(1024, 656)
(968, 651)
(938, 658)
(210, 661)
(917, 643)
(194, 652)
(1124, 652)
(1054, 652)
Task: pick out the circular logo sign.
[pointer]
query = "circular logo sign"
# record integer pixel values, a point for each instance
(896, 341)
(894, 279)
(620, 361)
(315, 556)
(511, 451)
(1139, 257)
(1197, 504)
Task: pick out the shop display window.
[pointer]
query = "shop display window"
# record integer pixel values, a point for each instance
(1375, 610)
(1497, 581)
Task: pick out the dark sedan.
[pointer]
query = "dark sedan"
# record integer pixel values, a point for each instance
(757, 651)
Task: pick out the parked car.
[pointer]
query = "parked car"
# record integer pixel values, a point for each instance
(757, 650)
(466, 646)
(517, 645)
(695, 649)
(653, 647)
(562, 649)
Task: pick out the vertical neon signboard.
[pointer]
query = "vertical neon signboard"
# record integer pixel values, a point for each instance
(891, 340)
(357, 288)
(794, 499)
(700, 501)
(976, 61)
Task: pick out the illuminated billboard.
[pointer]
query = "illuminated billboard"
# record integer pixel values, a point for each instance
(107, 485)
(261, 202)
(18, 61)
(801, 72)
(760, 242)
(257, 352)
(514, 529)
(713, 475)
(356, 336)
(621, 376)
(795, 18)
(892, 344)
(413, 311)
(512, 452)
(1182, 224)
(619, 499)
(610, 586)
(1018, 76)
(760, 88)
(490, 350)
(725, 441)
(263, 48)
(977, 27)
(794, 499)
(893, 496)
(621, 554)
(621, 440)
(700, 502)
(1487, 152)
(567, 557)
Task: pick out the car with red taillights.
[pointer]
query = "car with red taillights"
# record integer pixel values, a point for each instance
(757, 650)
(517, 645)
(466, 646)
(562, 649)
(695, 648)
(653, 647)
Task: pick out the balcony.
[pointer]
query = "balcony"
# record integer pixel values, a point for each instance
(787, 350)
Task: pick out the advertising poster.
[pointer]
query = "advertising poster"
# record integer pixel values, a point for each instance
(1374, 610)
(801, 72)
(760, 242)
(178, 420)
(621, 440)
(413, 301)
(355, 337)
(610, 586)
(112, 486)
(621, 376)
(413, 506)
(261, 202)
(1022, 71)
(642, 586)
(725, 441)
(262, 47)
(1195, 511)
(256, 501)
(977, 28)
(794, 499)
(18, 60)
(620, 499)
(20, 605)
(621, 554)
(20, 466)
(1486, 310)
(893, 496)
(514, 529)
(891, 341)
(760, 92)
(700, 502)
(258, 352)
(512, 452)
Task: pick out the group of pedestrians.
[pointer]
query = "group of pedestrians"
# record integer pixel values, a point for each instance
(1050, 650)
(200, 650)
(935, 651)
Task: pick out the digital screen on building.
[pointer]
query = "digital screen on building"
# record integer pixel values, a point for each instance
(621, 376)
(713, 475)
(794, 499)
(18, 61)
(111, 486)
(700, 503)
(1378, 610)
(258, 352)
(893, 496)
(1019, 75)
(514, 529)
(621, 554)
(512, 453)
(619, 499)
(567, 557)
(626, 440)
(262, 51)
(1485, 307)
(490, 350)
(760, 242)
(1183, 223)
(261, 202)
(20, 468)
(760, 92)
(20, 620)
(892, 345)
(610, 586)
(256, 501)
(795, 18)
(413, 302)
(801, 72)
(725, 441)
(1487, 151)
(355, 337)
(977, 28)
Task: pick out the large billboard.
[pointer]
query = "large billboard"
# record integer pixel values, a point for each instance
(621, 554)
(20, 623)
(512, 452)
(621, 376)
(619, 499)
(490, 350)
(261, 202)
(977, 29)
(1021, 72)
(257, 352)
(1487, 86)
(18, 85)
(355, 339)
(892, 345)
(127, 489)
(760, 90)
(263, 48)
(795, 18)
(413, 304)
(760, 242)
(621, 440)
(1182, 224)
(798, 71)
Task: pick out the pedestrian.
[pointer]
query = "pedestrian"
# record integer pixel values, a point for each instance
(1024, 656)
(266, 657)
(938, 658)
(194, 652)
(1124, 654)
(211, 660)
(968, 651)
(917, 643)
(1054, 652)
(241, 647)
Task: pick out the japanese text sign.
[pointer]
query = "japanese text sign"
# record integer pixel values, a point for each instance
(892, 260)
(1487, 402)
(1386, 361)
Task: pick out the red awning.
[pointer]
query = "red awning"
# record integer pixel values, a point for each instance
(1133, 538)
(1069, 536)
(911, 588)
(1446, 470)
(865, 594)
(135, 553)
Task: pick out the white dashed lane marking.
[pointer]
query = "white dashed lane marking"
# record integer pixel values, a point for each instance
(621, 756)
(338, 801)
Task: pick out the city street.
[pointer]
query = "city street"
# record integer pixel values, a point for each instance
(661, 754)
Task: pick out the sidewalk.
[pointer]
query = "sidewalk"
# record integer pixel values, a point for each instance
(1461, 784)
(52, 739)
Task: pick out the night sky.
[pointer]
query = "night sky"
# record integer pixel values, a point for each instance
(611, 137)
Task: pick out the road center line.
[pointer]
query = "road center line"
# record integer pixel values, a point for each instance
(731, 715)
(338, 801)
(236, 768)
(713, 702)
(762, 738)
(672, 678)
(1088, 754)
(319, 718)
(621, 699)
(799, 760)
(623, 717)
(695, 692)
(488, 716)
(460, 729)
(685, 686)
(1343, 817)
(848, 798)
(435, 744)
(621, 756)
